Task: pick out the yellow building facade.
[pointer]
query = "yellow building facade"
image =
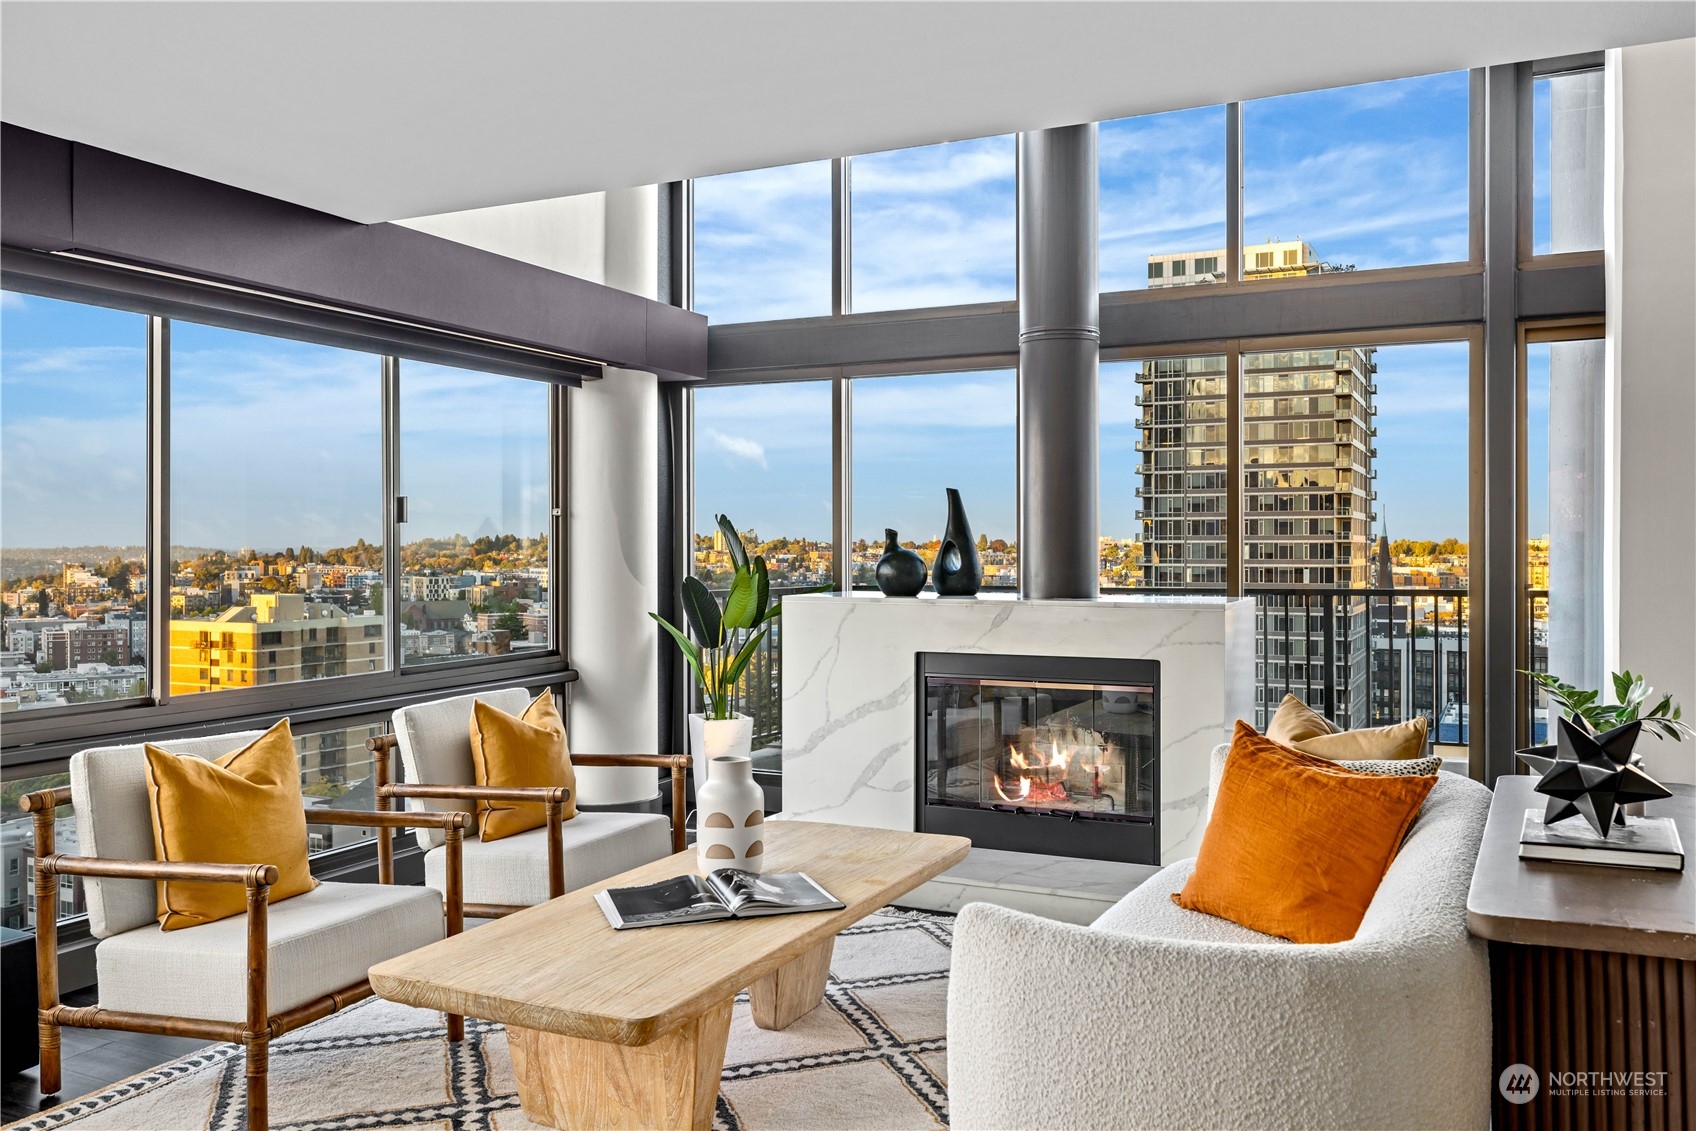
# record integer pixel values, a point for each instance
(275, 638)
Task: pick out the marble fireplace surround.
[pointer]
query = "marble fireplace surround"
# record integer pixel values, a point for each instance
(848, 693)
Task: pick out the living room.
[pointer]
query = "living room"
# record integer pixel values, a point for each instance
(1193, 550)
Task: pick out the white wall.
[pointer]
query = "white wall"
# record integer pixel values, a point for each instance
(612, 520)
(566, 235)
(1651, 255)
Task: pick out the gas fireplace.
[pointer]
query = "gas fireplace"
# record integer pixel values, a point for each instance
(1049, 754)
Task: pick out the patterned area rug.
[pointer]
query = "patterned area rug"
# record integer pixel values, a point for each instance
(873, 1055)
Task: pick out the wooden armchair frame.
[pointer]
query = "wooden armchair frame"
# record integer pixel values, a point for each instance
(256, 1032)
(384, 748)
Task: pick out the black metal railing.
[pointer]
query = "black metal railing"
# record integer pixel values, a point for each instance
(1366, 657)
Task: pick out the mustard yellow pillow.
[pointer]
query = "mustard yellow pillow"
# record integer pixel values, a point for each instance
(1397, 742)
(1297, 846)
(528, 750)
(1295, 721)
(243, 808)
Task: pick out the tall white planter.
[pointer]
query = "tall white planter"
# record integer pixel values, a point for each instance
(730, 818)
(714, 738)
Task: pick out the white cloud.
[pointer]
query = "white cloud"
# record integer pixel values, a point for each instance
(12, 300)
(737, 447)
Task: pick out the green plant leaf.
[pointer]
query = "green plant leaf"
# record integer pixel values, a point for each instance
(762, 591)
(1622, 685)
(733, 543)
(691, 653)
(739, 603)
(733, 670)
(703, 612)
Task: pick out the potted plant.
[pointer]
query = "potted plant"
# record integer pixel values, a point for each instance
(718, 643)
(1586, 709)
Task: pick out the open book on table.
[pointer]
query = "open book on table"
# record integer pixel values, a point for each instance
(725, 894)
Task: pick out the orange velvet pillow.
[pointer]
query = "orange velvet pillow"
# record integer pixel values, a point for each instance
(1297, 845)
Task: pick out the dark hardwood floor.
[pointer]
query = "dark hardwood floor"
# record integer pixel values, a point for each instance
(93, 1059)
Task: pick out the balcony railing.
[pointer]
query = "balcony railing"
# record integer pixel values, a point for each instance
(1367, 657)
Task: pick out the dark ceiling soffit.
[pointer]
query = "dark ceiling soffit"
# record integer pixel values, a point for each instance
(80, 280)
(58, 196)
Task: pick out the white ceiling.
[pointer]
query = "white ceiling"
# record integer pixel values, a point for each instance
(378, 111)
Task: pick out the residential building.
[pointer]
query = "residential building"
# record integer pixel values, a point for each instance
(274, 638)
(427, 586)
(81, 643)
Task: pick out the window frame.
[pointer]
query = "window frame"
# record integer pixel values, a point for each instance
(1583, 328)
(1376, 306)
(42, 742)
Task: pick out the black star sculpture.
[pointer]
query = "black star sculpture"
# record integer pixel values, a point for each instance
(1593, 775)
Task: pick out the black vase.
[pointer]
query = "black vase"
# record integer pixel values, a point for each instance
(900, 572)
(957, 571)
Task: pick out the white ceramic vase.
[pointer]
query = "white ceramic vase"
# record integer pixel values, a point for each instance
(713, 738)
(730, 817)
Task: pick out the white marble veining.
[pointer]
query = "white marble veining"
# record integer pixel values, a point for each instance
(848, 689)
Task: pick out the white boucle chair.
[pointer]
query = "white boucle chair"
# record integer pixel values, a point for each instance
(515, 872)
(1154, 1016)
(248, 978)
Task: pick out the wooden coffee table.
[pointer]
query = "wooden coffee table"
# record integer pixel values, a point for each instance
(628, 1028)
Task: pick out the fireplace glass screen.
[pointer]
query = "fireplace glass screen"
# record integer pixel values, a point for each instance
(1075, 749)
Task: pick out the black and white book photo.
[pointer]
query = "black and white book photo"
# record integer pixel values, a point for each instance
(1642, 842)
(725, 894)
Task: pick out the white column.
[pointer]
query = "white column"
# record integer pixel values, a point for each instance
(613, 563)
(612, 576)
(1651, 261)
(1577, 500)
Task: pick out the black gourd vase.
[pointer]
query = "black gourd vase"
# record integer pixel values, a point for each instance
(957, 571)
(900, 572)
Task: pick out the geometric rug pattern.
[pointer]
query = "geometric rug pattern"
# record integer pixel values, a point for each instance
(874, 1055)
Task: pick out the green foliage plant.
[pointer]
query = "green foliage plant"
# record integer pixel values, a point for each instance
(1633, 694)
(721, 639)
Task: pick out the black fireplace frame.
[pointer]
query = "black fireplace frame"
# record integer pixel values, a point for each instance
(1133, 840)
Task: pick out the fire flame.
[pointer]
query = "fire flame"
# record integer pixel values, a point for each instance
(1042, 775)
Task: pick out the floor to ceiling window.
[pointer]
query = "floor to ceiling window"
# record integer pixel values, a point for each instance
(762, 243)
(1565, 512)
(73, 503)
(276, 510)
(1568, 118)
(1162, 193)
(475, 473)
(1356, 177)
(763, 460)
(934, 226)
(1336, 475)
(916, 436)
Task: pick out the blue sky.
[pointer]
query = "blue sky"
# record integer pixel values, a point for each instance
(275, 443)
(1374, 175)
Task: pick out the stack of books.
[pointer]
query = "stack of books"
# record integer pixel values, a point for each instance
(1642, 842)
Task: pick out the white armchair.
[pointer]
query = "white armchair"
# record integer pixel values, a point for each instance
(1155, 1016)
(507, 875)
(248, 978)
